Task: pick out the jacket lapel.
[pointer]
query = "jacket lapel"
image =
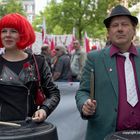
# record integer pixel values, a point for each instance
(110, 64)
(137, 65)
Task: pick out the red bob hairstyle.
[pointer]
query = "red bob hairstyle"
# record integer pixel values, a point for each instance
(21, 24)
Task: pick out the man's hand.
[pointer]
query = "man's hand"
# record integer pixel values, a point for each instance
(89, 107)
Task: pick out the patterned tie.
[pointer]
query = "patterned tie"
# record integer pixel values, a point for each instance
(132, 97)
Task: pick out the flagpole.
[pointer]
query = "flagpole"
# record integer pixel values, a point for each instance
(86, 43)
(43, 30)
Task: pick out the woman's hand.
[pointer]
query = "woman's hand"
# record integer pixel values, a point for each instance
(40, 115)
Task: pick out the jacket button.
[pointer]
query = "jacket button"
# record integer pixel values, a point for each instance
(116, 109)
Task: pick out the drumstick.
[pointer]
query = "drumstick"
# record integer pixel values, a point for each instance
(92, 84)
(30, 119)
(9, 124)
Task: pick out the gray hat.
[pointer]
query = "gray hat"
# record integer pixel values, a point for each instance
(120, 10)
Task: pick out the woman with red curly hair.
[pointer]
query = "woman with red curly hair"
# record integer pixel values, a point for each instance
(18, 75)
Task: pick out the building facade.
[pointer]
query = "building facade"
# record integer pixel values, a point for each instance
(28, 6)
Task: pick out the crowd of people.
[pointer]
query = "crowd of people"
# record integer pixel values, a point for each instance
(65, 66)
(107, 97)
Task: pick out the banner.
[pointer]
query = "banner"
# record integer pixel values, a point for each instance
(59, 40)
(66, 116)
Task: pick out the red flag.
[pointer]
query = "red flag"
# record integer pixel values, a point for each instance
(46, 41)
(52, 45)
(43, 30)
(86, 43)
(70, 46)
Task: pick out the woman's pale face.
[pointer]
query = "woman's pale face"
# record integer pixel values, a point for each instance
(9, 37)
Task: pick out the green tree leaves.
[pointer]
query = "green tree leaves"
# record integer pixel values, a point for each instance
(12, 6)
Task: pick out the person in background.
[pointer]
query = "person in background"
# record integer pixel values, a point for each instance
(61, 70)
(28, 50)
(18, 76)
(2, 51)
(77, 61)
(94, 47)
(110, 107)
(46, 52)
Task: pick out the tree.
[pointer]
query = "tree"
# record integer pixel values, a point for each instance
(84, 15)
(78, 14)
(12, 6)
(52, 16)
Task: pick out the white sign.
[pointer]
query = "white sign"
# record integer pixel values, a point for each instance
(59, 40)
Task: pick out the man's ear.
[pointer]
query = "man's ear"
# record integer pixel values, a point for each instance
(134, 28)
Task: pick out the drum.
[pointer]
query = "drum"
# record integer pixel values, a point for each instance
(28, 131)
(124, 135)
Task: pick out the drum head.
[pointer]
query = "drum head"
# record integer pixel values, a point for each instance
(28, 131)
(124, 135)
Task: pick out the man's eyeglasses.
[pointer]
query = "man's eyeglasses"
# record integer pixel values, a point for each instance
(44, 49)
(56, 49)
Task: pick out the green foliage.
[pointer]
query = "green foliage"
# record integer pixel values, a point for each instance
(37, 24)
(132, 2)
(58, 30)
(12, 6)
(83, 15)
